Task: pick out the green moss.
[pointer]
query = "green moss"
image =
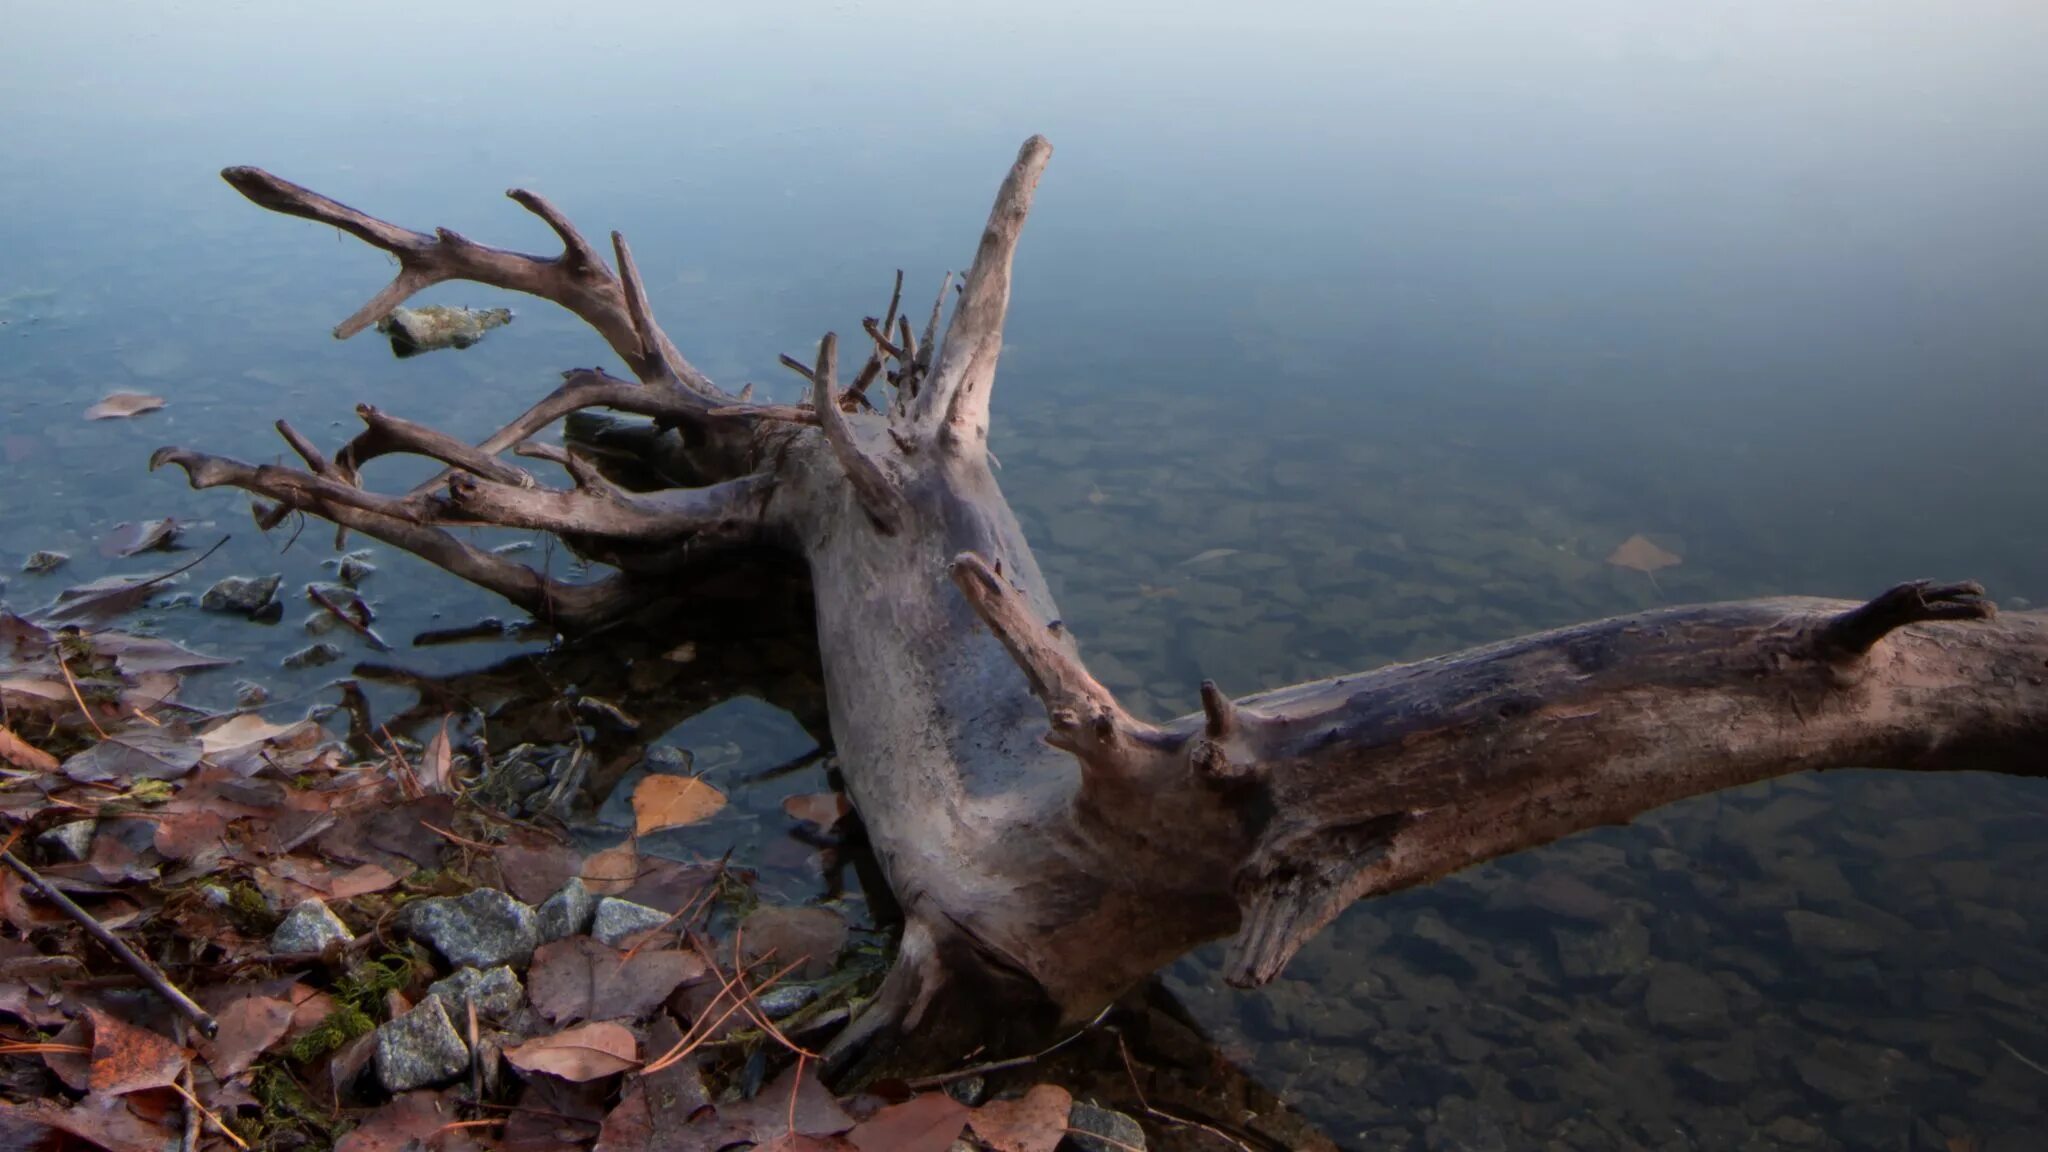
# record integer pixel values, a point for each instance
(247, 903)
(289, 1118)
(340, 1026)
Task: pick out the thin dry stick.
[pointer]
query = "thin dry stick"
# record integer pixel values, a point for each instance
(321, 600)
(1170, 1118)
(66, 669)
(944, 1078)
(215, 1120)
(691, 1041)
(122, 952)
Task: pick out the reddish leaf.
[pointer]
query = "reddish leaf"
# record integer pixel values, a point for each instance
(612, 871)
(766, 1117)
(812, 935)
(138, 753)
(587, 1052)
(1034, 1123)
(579, 978)
(823, 809)
(74, 1068)
(411, 1121)
(927, 1123)
(533, 867)
(248, 1027)
(129, 1059)
(142, 655)
(127, 539)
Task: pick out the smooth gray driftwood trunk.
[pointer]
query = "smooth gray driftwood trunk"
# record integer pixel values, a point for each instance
(1048, 849)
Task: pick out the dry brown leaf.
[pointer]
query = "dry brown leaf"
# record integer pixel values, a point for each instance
(105, 1122)
(122, 404)
(823, 809)
(612, 871)
(248, 1027)
(1637, 554)
(129, 1059)
(671, 802)
(580, 977)
(437, 763)
(1033, 1123)
(586, 1052)
(927, 1123)
(812, 935)
(22, 754)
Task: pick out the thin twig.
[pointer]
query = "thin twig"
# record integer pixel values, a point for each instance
(944, 1078)
(66, 669)
(319, 598)
(122, 952)
(215, 1120)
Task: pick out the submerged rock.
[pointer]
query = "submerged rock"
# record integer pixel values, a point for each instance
(437, 326)
(242, 595)
(1092, 1129)
(313, 656)
(41, 562)
(420, 1048)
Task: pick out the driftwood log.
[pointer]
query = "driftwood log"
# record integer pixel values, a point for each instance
(1047, 848)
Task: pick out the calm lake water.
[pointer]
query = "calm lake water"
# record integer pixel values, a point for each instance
(1344, 334)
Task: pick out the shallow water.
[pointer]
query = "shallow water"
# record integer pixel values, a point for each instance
(1343, 335)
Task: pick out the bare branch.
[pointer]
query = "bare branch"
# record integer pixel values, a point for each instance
(386, 434)
(1085, 718)
(577, 279)
(953, 403)
(733, 507)
(400, 523)
(873, 487)
(581, 471)
(655, 346)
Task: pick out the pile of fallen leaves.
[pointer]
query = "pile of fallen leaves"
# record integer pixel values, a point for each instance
(334, 949)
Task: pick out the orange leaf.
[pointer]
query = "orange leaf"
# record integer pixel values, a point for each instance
(927, 1123)
(586, 1052)
(671, 802)
(1034, 1123)
(824, 809)
(612, 871)
(22, 754)
(129, 1059)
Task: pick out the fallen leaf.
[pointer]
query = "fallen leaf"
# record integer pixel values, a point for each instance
(586, 1052)
(927, 1123)
(103, 599)
(413, 1120)
(118, 405)
(812, 935)
(1639, 555)
(127, 539)
(580, 977)
(72, 1061)
(248, 1027)
(437, 763)
(142, 655)
(822, 809)
(129, 1059)
(671, 802)
(22, 754)
(140, 753)
(1033, 1123)
(767, 1116)
(239, 742)
(612, 871)
(105, 1122)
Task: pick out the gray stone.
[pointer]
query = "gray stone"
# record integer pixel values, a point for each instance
(1816, 934)
(1685, 1000)
(309, 927)
(1602, 954)
(567, 912)
(496, 992)
(41, 562)
(1464, 1125)
(618, 919)
(313, 656)
(784, 999)
(1118, 1132)
(72, 841)
(1794, 1132)
(241, 595)
(482, 929)
(420, 1048)
(1848, 1074)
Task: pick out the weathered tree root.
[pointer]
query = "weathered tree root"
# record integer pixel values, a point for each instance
(1049, 849)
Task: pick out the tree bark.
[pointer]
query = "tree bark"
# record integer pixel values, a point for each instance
(1048, 849)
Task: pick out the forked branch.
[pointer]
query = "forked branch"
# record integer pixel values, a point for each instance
(578, 279)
